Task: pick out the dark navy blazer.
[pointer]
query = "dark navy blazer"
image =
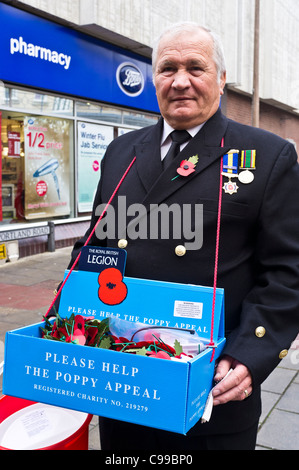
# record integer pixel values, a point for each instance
(259, 240)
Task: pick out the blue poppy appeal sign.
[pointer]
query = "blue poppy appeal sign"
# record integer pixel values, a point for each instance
(39, 53)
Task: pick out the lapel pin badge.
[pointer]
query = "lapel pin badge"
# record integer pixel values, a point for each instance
(187, 167)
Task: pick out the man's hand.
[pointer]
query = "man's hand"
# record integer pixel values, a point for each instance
(236, 387)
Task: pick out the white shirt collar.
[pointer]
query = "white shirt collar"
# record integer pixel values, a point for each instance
(167, 129)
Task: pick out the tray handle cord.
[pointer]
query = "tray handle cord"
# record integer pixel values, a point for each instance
(209, 403)
(211, 343)
(91, 234)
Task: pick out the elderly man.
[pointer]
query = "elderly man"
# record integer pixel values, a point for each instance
(259, 236)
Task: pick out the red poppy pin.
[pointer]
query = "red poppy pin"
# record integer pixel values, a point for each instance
(187, 167)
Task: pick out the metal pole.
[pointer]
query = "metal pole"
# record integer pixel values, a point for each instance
(256, 68)
(51, 237)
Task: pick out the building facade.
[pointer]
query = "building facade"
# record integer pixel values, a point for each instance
(74, 74)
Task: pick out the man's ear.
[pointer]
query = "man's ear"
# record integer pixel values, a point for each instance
(222, 82)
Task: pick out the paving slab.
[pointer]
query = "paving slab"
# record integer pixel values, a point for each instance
(279, 380)
(269, 400)
(280, 431)
(290, 400)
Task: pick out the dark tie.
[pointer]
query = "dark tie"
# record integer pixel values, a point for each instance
(178, 138)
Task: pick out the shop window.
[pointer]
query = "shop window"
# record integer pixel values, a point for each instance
(4, 95)
(12, 163)
(37, 157)
(134, 118)
(97, 112)
(37, 102)
(36, 167)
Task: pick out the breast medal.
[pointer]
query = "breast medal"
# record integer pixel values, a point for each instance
(230, 170)
(247, 165)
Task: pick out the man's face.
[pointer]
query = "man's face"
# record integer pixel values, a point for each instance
(187, 85)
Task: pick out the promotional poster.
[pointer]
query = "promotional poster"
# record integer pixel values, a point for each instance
(1, 215)
(47, 171)
(93, 141)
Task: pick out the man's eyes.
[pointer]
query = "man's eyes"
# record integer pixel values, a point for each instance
(167, 68)
(196, 69)
(170, 69)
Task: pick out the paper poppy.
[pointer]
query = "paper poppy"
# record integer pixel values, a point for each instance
(186, 168)
(90, 335)
(159, 355)
(119, 344)
(79, 323)
(78, 337)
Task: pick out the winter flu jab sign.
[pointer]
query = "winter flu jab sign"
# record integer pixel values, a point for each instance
(47, 167)
(93, 141)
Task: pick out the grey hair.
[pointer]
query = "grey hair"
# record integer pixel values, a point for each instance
(190, 26)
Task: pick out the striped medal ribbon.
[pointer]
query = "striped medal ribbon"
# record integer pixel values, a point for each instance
(247, 165)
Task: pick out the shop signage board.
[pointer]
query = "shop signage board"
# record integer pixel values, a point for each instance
(169, 395)
(22, 233)
(46, 55)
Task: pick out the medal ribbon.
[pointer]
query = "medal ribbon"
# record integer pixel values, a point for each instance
(248, 159)
(230, 163)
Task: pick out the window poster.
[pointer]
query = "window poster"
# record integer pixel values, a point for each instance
(1, 215)
(47, 172)
(14, 144)
(93, 140)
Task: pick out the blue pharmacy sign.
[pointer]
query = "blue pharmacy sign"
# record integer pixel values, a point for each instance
(39, 53)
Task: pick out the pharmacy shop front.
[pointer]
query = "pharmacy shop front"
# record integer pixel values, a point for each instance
(64, 96)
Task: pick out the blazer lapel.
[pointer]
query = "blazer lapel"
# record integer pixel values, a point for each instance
(206, 144)
(148, 157)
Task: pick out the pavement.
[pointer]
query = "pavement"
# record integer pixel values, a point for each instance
(26, 291)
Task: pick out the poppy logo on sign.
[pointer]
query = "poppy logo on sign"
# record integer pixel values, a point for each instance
(130, 79)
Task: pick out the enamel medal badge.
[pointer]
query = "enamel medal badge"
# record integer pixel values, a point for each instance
(230, 170)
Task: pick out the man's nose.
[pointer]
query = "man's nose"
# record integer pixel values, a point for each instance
(181, 80)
